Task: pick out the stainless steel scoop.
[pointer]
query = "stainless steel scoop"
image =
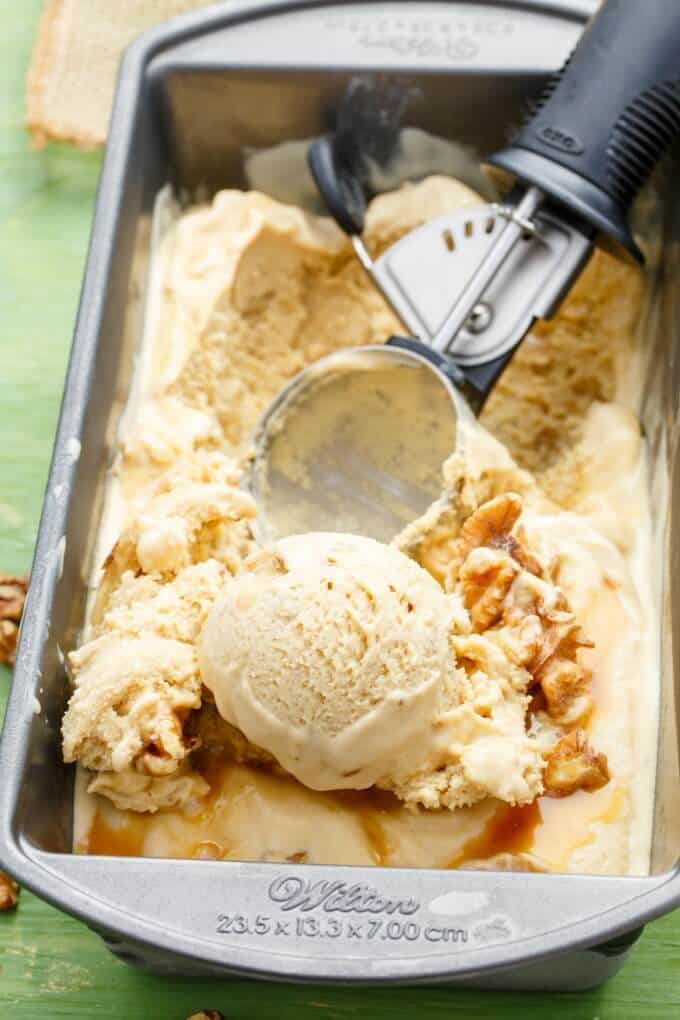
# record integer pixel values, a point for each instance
(337, 449)
(355, 443)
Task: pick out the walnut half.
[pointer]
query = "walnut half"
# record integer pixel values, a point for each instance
(9, 892)
(566, 685)
(12, 596)
(491, 526)
(485, 579)
(573, 765)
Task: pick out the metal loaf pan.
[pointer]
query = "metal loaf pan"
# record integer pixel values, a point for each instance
(191, 96)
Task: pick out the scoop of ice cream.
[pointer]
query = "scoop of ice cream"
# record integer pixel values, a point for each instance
(352, 666)
(331, 651)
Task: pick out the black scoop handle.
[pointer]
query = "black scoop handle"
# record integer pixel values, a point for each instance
(339, 184)
(607, 117)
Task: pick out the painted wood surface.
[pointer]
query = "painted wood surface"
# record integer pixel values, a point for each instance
(51, 966)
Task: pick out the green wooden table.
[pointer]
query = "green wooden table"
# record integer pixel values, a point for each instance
(52, 966)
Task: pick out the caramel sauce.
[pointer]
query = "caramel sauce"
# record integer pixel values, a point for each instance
(511, 830)
(370, 805)
(113, 841)
(211, 766)
(535, 829)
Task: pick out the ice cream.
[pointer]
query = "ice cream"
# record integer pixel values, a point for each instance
(136, 677)
(526, 548)
(332, 652)
(352, 667)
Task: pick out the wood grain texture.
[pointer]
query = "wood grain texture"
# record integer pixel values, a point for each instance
(50, 965)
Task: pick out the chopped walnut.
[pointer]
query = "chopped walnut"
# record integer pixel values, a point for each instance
(566, 686)
(521, 642)
(12, 596)
(492, 526)
(9, 892)
(523, 555)
(559, 639)
(207, 1014)
(565, 683)
(528, 617)
(9, 633)
(485, 579)
(552, 651)
(299, 857)
(573, 765)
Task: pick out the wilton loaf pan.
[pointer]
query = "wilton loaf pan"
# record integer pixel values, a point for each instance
(192, 98)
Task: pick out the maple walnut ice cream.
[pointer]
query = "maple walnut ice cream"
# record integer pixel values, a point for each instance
(223, 691)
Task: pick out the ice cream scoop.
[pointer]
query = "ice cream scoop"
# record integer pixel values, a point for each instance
(467, 287)
(331, 651)
(355, 443)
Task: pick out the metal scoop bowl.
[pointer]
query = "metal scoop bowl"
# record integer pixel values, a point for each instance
(355, 443)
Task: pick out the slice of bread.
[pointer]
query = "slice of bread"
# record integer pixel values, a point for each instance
(72, 76)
